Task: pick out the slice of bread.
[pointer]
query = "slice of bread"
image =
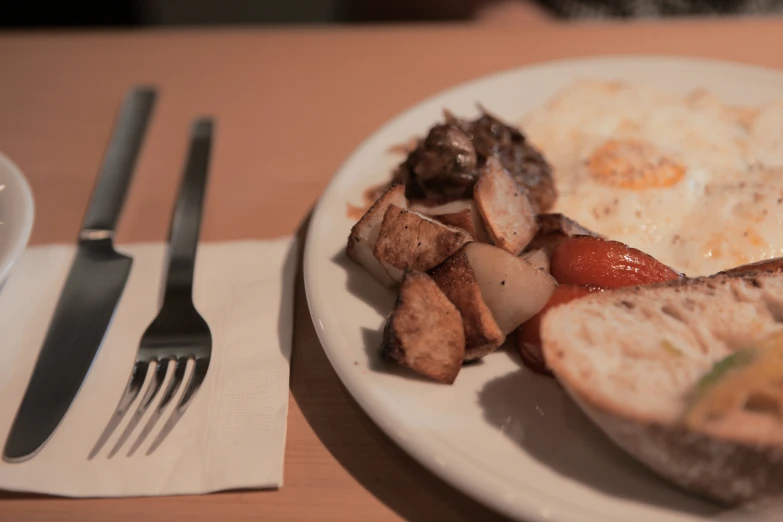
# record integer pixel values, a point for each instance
(631, 358)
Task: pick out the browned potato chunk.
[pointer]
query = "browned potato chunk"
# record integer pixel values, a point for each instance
(364, 233)
(456, 279)
(552, 229)
(561, 224)
(505, 208)
(408, 240)
(468, 220)
(538, 258)
(424, 332)
(513, 289)
(461, 213)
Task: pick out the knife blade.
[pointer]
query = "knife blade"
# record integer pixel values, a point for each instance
(92, 289)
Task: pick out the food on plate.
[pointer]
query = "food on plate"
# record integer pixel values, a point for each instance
(461, 213)
(493, 289)
(746, 380)
(529, 338)
(456, 279)
(552, 229)
(411, 241)
(445, 164)
(493, 137)
(361, 241)
(582, 265)
(442, 166)
(684, 373)
(690, 180)
(685, 376)
(587, 260)
(424, 331)
(561, 225)
(768, 265)
(538, 258)
(513, 289)
(504, 207)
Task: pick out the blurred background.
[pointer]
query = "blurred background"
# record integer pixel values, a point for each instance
(33, 14)
(74, 13)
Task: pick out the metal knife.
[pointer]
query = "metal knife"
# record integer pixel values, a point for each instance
(91, 292)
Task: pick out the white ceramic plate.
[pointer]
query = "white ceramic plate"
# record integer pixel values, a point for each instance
(501, 434)
(16, 214)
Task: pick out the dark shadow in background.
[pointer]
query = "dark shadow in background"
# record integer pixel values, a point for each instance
(58, 14)
(69, 14)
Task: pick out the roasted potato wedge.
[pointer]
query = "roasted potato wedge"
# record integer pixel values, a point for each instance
(361, 241)
(456, 279)
(552, 229)
(538, 258)
(504, 208)
(513, 289)
(424, 332)
(408, 240)
(561, 224)
(461, 213)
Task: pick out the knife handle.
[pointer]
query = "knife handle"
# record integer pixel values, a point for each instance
(119, 162)
(186, 222)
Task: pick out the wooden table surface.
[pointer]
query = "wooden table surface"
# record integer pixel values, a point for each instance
(291, 104)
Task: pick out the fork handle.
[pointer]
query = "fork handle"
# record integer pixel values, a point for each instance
(186, 222)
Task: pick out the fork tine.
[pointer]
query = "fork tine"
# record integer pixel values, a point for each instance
(152, 390)
(136, 381)
(171, 390)
(196, 378)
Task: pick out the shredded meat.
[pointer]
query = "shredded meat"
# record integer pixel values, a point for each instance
(444, 166)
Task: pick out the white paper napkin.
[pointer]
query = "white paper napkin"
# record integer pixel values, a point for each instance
(233, 434)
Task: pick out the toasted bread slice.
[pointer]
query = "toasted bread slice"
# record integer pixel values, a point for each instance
(424, 332)
(637, 359)
(768, 265)
(504, 208)
(364, 234)
(456, 279)
(408, 240)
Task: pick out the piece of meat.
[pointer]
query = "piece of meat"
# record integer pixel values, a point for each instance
(525, 163)
(444, 166)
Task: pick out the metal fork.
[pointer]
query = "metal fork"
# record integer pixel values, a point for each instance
(178, 334)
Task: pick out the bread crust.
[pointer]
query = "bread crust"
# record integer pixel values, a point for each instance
(725, 469)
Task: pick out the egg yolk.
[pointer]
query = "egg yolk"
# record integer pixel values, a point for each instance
(633, 164)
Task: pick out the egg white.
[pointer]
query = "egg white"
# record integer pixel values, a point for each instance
(724, 212)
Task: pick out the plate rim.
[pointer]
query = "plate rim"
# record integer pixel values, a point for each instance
(28, 216)
(464, 486)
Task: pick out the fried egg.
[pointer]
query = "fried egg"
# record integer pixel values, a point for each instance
(694, 182)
